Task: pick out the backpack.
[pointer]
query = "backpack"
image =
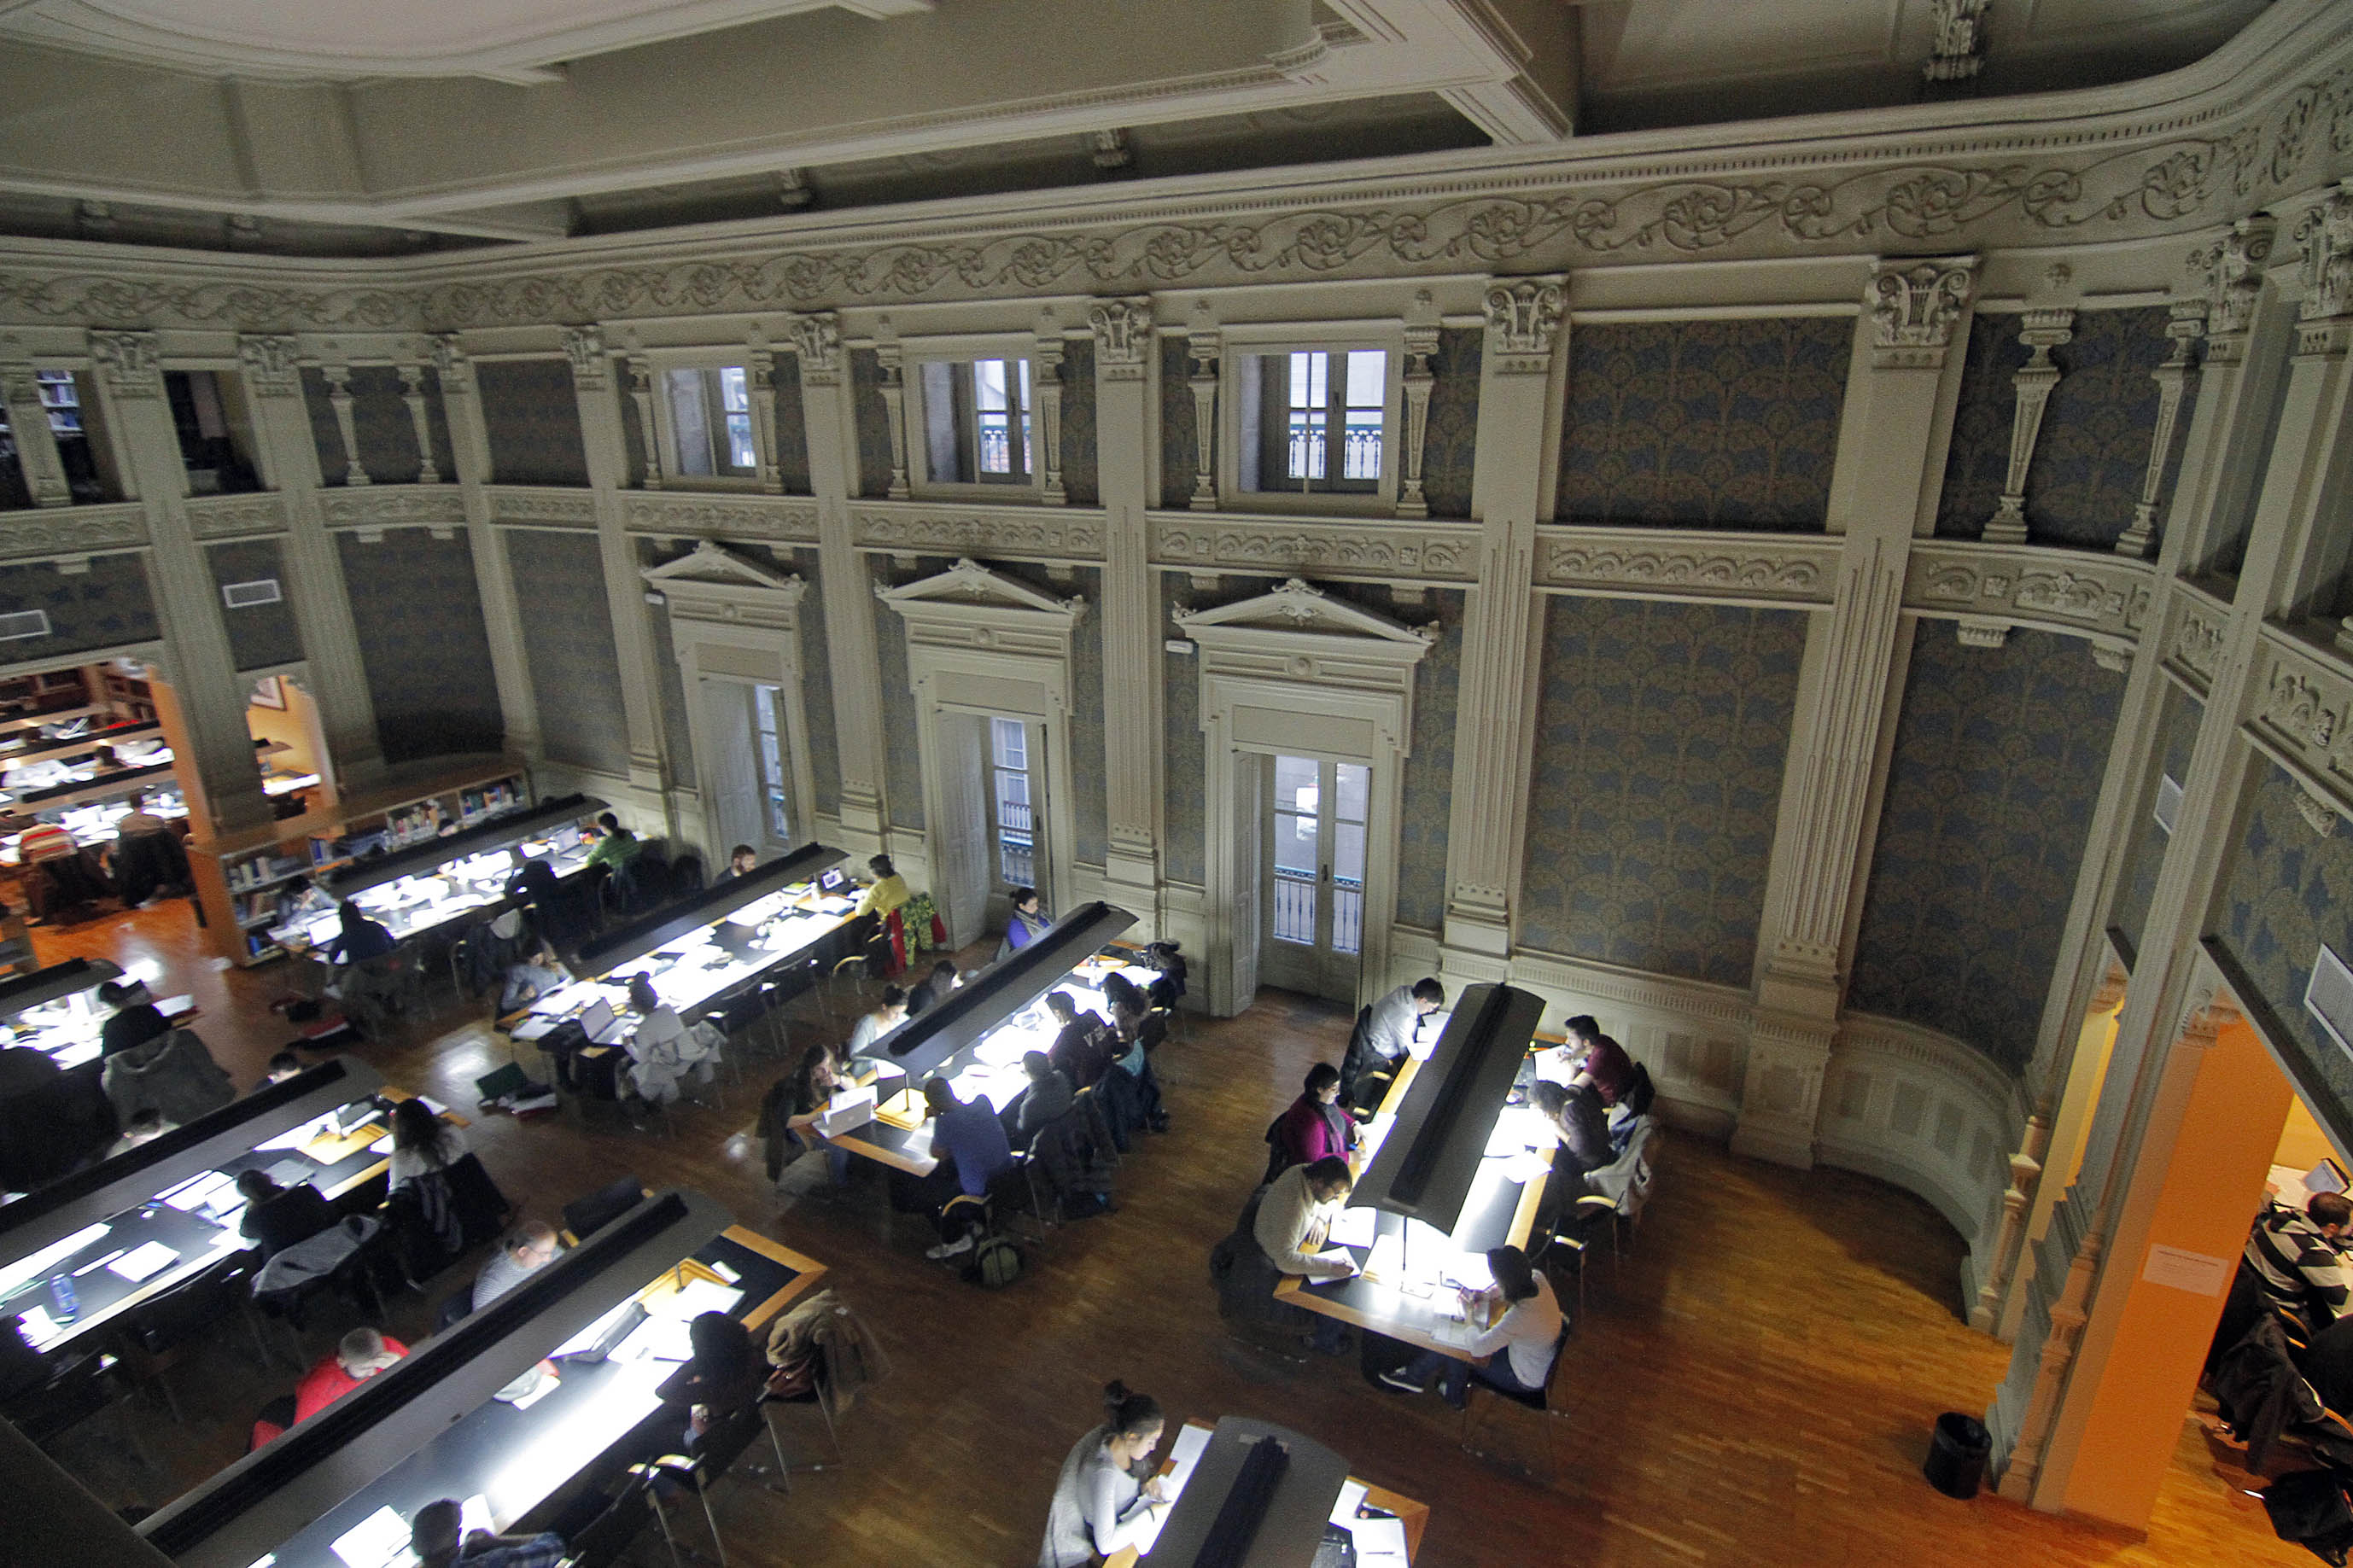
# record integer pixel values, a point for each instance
(995, 1263)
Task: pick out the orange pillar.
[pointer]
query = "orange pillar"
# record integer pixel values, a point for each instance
(2199, 1182)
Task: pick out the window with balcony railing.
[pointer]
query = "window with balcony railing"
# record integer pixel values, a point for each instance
(1312, 421)
(1017, 844)
(977, 422)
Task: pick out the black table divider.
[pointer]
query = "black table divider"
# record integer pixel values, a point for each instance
(1001, 990)
(626, 943)
(508, 828)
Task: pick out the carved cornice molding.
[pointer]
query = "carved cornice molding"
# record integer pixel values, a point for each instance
(1280, 546)
(395, 506)
(921, 528)
(1692, 999)
(2303, 721)
(540, 506)
(680, 516)
(714, 586)
(236, 517)
(2093, 169)
(1680, 564)
(72, 530)
(2066, 591)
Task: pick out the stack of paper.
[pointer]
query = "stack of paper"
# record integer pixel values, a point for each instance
(143, 1261)
(1355, 1227)
(1380, 1542)
(1191, 1443)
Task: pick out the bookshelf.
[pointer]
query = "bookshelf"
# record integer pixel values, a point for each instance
(239, 877)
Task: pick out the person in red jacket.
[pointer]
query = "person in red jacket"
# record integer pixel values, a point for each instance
(1316, 1126)
(363, 1354)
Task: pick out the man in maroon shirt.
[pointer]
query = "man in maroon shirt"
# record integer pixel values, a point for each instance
(1605, 1063)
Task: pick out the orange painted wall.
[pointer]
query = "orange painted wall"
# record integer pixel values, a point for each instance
(2212, 1187)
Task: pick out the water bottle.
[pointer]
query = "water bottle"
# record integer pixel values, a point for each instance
(62, 1297)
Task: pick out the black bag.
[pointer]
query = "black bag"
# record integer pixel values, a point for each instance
(2310, 1507)
(995, 1263)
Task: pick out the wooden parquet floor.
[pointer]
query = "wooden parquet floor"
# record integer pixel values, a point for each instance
(1755, 1386)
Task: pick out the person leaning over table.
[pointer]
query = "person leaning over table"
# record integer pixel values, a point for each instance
(1108, 1488)
(1314, 1126)
(1514, 1352)
(135, 1020)
(1029, 923)
(1294, 1222)
(278, 1217)
(361, 939)
(1601, 1061)
(523, 1252)
(662, 1049)
(1391, 1031)
(282, 1065)
(887, 1015)
(723, 1376)
(885, 893)
(1580, 1131)
(1049, 1096)
(1082, 1046)
(614, 843)
(803, 1095)
(741, 861)
(969, 1143)
(934, 989)
(358, 1356)
(531, 879)
(434, 1535)
(538, 974)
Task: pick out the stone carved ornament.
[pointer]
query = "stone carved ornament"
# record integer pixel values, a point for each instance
(2035, 189)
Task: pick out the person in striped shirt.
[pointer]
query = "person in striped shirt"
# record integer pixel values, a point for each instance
(2295, 1257)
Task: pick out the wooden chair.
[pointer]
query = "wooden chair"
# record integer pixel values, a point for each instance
(1539, 1402)
(721, 1444)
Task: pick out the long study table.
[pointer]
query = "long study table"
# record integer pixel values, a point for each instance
(338, 1491)
(147, 1225)
(1364, 1509)
(1405, 1290)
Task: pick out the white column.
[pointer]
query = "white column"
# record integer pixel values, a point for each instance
(851, 648)
(412, 392)
(339, 393)
(221, 782)
(1204, 347)
(641, 394)
(2188, 324)
(469, 450)
(889, 359)
(1494, 719)
(2041, 332)
(1125, 411)
(314, 572)
(1421, 344)
(625, 591)
(1049, 413)
(1834, 771)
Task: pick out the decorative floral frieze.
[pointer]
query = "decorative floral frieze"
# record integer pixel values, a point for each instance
(540, 506)
(917, 528)
(1282, 544)
(717, 517)
(72, 530)
(233, 516)
(1796, 571)
(2104, 177)
(2029, 584)
(395, 506)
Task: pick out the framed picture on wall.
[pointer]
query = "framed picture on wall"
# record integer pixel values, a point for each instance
(269, 692)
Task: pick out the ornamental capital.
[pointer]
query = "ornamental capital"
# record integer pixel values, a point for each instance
(1522, 321)
(1913, 307)
(272, 365)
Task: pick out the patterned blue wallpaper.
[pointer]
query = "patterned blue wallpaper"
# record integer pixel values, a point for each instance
(1446, 450)
(1185, 780)
(873, 420)
(1704, 424)
(2145, 842)
(817, 685)
(678, 735)
(1978, 463)
(105, 606)
(422, 643)
(263, 634)
(1998, 759)
(902, 765)
(1091, 808)
(533, 417)
(1081, 475)
(1662, 733)
(568, 643)
(1178, 455)
(2093, 450)
(1428, 785)
(792, 426)
(2286, 892)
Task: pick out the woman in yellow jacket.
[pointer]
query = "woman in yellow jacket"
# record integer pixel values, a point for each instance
(887, 893)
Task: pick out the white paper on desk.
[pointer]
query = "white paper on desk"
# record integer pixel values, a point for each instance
(39, 1328)
(1338, 1255)
(698, 1297)
(196, 1193)
(546, 1387)
(142, 1261)
(379, 1541)
(1343, 1512)
(1388, 1261)
(1355, 1227)
(1526, 1166)
(655, 1339)
(1380, 1542)
(1192, 1442)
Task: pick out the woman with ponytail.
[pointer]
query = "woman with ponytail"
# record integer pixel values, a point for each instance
(1109, 1487)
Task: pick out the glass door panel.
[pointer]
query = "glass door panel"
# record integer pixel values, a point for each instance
(1315, 874)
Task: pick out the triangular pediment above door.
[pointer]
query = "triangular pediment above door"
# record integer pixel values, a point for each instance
(711, 564)
(969, 587)
(1297, 613)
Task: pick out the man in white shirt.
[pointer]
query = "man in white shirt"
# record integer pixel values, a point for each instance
(1294, 1221)
(1390, 1032)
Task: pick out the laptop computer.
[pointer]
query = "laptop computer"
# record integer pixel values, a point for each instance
(832, 881)
(600, 1024)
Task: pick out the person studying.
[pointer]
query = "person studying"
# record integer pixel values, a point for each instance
(1514, 1350)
